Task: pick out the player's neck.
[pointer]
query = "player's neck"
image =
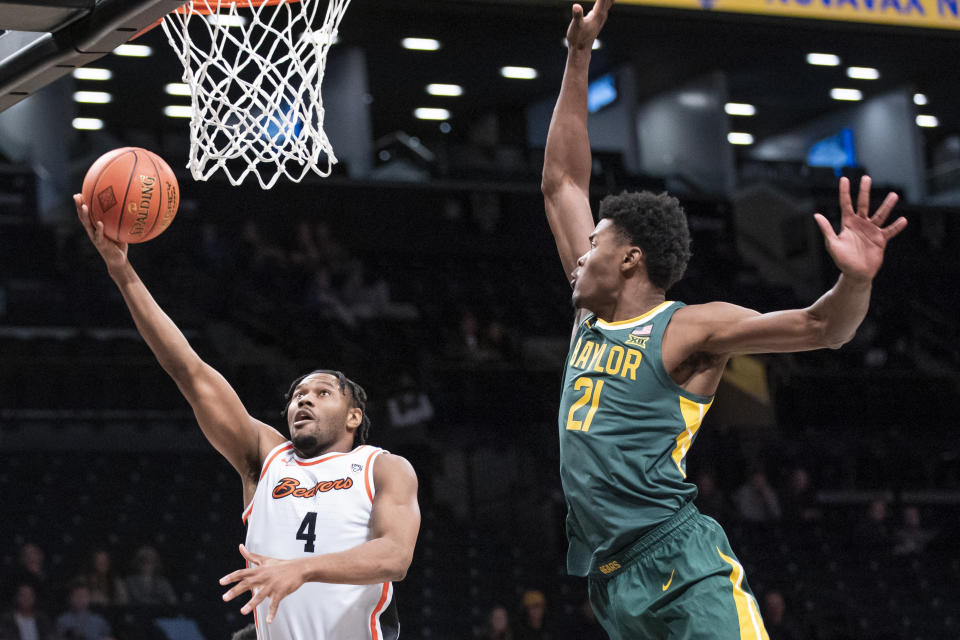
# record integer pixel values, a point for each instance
(343, 446)
(631, 303)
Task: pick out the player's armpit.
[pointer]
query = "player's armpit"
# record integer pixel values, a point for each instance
(727, 329)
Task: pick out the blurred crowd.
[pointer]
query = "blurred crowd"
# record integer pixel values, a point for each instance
(52, 607)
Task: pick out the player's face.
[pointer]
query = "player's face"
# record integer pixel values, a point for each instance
(597, 276)
(319, 415)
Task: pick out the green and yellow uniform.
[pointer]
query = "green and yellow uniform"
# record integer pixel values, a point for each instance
(657, 567)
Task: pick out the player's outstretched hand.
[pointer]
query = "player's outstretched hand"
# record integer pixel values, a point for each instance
(858, 249)
(113, 253)
(265, 578)
(584, 30)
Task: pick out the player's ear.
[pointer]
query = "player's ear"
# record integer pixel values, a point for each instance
(354, 417)
(632, 259)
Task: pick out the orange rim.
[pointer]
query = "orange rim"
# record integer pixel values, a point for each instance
(201, 8)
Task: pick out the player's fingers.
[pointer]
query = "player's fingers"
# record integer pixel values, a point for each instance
(880, 216)
(257, 598)
(256, 558)
(98, 231)
(274, 605)
(846, 204)
(895, 228)
(825, 227)
(233, 576)
(863, 197)
(236, 590)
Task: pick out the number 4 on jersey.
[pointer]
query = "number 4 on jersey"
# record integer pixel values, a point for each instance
(307, 531)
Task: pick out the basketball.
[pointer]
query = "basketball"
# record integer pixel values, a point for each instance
(133, 192)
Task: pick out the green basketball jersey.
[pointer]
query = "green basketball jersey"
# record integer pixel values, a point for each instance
(625, 429)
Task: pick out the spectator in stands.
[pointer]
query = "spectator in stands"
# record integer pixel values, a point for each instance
(779, 625)
(756, 500)
(409, 407)
(585, 626)
(31, 571)
(532, 625)
(146, 585)
(498, 625)
(710, 500)
(322, 297)
(873, 534)
(800, 500)
(106, 587)
(912, 538)
(25, 621)
(498, 342)
(79, 623)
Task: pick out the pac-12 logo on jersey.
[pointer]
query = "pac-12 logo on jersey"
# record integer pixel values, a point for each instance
(291, 487)
(356, 467)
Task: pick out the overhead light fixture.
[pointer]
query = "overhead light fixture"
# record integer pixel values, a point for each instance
(451, 90)
(596, 44)
(92, 73)
(863, 73)
(178, 111)
(226, 20)
(429, 113)
(319, 37)
(739, 137)
(421, 44)
(851, 95)
(88, 124)
(177, 89)
(927, 121)
(92, 97)
(134, 50)
(920, 99)
(823, 59)
(518, 73)
(739, 109)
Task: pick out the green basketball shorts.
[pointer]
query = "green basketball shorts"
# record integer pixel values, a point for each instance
(679, 581)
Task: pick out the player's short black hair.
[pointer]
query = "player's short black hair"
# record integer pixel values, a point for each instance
(658, 225)
(358, 400)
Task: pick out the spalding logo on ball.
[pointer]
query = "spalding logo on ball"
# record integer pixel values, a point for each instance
(133, 192)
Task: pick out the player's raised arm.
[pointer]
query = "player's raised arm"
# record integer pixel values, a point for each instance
(567, 159)
(220, 414)
(829, 322)
(394, 524)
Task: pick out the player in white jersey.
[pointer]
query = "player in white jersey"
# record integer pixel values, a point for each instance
(332, 522)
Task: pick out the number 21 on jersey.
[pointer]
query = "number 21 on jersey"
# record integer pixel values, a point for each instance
(591, 391)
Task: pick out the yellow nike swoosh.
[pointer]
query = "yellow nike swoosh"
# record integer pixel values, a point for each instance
(670, 581)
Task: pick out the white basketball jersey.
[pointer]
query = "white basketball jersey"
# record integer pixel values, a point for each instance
(306, 507)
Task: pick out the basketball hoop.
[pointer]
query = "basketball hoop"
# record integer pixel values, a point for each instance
(254, 70)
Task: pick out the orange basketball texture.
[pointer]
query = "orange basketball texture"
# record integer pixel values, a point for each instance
(133, 192)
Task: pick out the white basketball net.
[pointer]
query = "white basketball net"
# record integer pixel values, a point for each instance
(256, 102)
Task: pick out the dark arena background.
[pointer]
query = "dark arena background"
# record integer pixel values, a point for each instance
(424, 268)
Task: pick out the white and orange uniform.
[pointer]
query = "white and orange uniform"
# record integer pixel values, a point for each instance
(305, 507)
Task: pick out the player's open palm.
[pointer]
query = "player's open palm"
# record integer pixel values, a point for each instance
(583, 30)
(113, 253)
(265, 578)
(858, 249)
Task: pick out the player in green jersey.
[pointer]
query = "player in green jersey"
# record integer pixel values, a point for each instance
(642, 372)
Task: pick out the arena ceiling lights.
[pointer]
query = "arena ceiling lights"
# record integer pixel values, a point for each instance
(92, 73)
(863, 73)
(133, 51)
(420, 44)
(739, 109)
(519, 73)
(823, 59)
(850, 95)
(450, 90)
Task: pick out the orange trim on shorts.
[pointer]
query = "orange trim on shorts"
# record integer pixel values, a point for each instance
(367, 480)
(378, 608)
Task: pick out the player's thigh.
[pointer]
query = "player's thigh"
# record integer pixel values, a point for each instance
(622, 605)
(713, 599)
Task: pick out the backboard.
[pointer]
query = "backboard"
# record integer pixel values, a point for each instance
(43, 40)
